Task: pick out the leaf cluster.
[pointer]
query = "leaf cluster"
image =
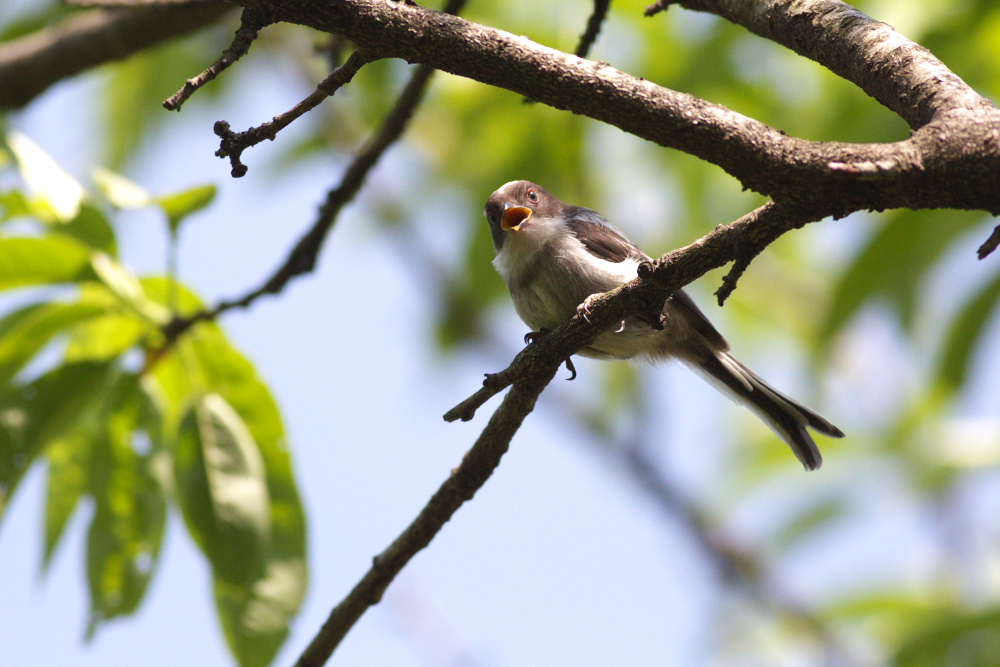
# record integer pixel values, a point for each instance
(90, 387)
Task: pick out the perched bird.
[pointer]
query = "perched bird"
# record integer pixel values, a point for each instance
(553, 256)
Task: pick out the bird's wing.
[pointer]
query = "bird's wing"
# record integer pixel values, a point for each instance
(600, 238)
(607, 243)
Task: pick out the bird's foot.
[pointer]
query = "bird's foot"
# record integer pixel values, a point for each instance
(583, 310)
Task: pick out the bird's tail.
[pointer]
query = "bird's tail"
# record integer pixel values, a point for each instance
(787, 418)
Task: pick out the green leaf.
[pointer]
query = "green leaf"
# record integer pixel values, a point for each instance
(43, 261)
(969, 640)
(15, 205)
(55, 190)
(222, 490)
(50, 408)
(25, 332)
(126, 532)
(179, 205)
(68, 459)
(255, 615)
(92, 228)
(964, 334)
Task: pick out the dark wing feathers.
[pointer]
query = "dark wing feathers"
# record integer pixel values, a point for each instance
(607, 243)
(600, 238)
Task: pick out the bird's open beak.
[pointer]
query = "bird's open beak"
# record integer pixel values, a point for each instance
(514, 218)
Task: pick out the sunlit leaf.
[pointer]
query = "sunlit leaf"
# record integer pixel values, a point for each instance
(25, 332)
(14, 204)
(255, 618)
(120, 191)
(92, 228)
(53, 187)
(68, 461)
(970, 640)
(128, 288)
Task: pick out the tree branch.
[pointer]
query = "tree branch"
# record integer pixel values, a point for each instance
(303, 256)
(29, 65)
(476, 467)
(593, 29)
(234, 143)
(902, 75)
(951, 161)
(250, 24)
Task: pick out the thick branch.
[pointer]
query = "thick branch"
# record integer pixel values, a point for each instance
(29, 65)
(953, 162)
(905, 77)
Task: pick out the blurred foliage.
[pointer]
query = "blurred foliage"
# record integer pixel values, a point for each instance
(135, 431)
(90, 386)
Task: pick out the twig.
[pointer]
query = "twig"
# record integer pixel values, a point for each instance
(234, 143)
(250, 24)
(302, 258)
(771, 216)
(991, 243)
(594, 24)
(492, 385)
(476, 467)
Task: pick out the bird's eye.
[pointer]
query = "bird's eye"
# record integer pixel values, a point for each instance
(532, 195)
(491, 218)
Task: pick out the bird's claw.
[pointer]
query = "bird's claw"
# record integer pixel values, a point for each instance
(571, 368)
(533, 336)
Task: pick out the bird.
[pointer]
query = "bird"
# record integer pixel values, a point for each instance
(555, 257)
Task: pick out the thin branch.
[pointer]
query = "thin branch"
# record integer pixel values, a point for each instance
(476, 467)
(30, 64)
(594, 24)
(234, 143)
(250, 24)
(302, 258)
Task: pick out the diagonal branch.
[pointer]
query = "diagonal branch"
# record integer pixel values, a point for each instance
(250, 24)
(593, 29)
(476, 467)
